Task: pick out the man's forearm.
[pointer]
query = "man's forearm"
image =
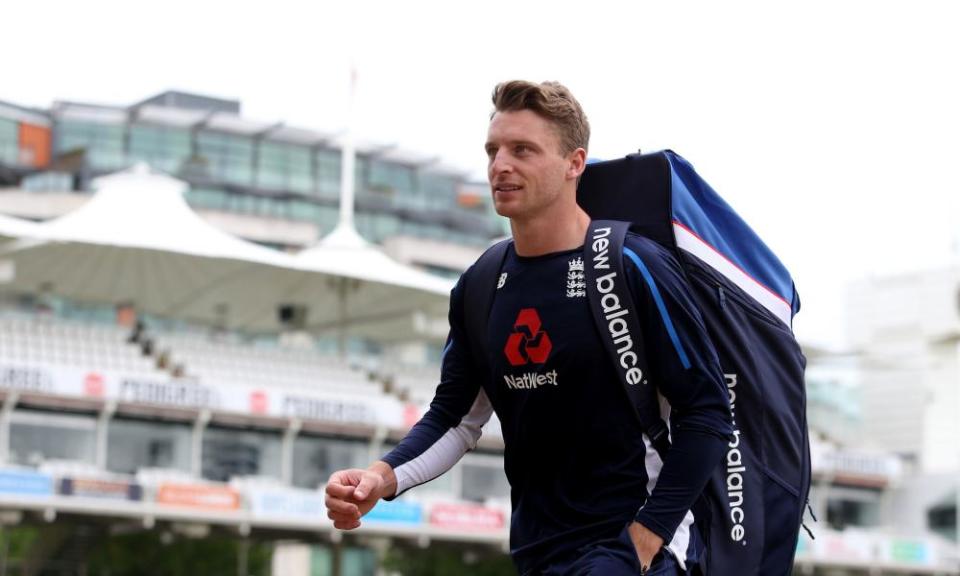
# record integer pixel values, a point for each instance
(686, 469)
(436, 443)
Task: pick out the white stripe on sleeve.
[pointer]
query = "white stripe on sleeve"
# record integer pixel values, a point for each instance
(448, 450)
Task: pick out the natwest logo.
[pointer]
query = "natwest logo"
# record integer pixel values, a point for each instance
(528, 343)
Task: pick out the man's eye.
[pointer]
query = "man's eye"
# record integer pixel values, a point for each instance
(521, 149)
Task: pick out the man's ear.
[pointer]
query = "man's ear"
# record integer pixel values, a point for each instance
(577, 162)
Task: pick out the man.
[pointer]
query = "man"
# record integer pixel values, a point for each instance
(589, 494)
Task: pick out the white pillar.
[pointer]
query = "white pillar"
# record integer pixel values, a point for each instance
(5, 414)
(957, 440)
(103, 427)
(347, 184)
(375, 448)
(286, 450)
(196, 452)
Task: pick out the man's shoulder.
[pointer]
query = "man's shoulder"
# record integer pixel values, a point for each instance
(493, 249)
(489, 257)
(487, 263)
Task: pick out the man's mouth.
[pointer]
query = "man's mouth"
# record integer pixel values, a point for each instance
(507, 188)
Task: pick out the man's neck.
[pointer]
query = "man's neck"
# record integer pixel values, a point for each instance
(550, 232)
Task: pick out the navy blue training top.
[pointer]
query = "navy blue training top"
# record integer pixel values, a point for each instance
(578, 464)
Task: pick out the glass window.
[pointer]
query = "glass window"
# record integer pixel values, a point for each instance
(484, 478)
(353, 561)
(135, 444)
(48, 181)
(9, 142)
(315, 458)
(301, 210)
(321, 561)
(37, 436)
(103, 142)
(942, 519)
(162, 147)
(242, 203)
(377, 227)
(284, 167)
(438, 190)
(361, 172)
(207, 198)
(843, 512)
(280, 208)
(426, 230)
(329, 216)
(328, 173)
(229, 452)
(358, 562)
(386, 178)
(228, 157)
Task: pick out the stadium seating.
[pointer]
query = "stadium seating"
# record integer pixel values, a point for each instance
(418, 383)
(51, 341)
(46, 340)
(226, 363)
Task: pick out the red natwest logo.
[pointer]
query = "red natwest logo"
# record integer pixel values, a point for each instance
(527, 343)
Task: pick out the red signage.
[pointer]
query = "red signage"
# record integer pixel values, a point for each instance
(259, 402)
(411, 415)
(93, 385)
(199, 496)
(98, 488)
(467, 517)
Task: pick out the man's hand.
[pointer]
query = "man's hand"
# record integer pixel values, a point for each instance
(352, 493)
(646, 542)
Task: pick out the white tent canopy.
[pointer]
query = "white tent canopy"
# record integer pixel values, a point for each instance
(138, 208)
(14, 228)
(138, 241)
(345, 253)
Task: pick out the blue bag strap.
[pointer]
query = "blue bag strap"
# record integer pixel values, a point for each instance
(480, 285)
(615, 315)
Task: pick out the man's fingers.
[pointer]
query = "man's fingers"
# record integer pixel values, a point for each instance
(338, 490)
(346, 525)
(344, 489)
(341, 517)
(337, 506)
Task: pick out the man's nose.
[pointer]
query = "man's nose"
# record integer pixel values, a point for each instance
(501, 163)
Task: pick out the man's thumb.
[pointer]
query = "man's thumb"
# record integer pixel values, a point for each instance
(365, 487)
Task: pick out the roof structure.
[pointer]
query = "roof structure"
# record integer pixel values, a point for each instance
(12, 228)
(137, 240)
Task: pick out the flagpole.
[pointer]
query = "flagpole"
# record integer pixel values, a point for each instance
(347, 171)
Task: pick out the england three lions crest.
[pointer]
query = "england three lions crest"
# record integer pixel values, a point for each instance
(576, 285)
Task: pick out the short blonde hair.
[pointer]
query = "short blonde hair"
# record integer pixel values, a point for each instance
(551, 101)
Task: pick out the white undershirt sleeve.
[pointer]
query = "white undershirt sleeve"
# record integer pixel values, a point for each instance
(448, 450)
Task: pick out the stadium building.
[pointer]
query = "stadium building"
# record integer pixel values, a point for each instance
(192, 339)
(125, 414)
(273, 184)
(877, 511)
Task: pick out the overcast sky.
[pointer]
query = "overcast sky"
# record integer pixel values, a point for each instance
(832, 127)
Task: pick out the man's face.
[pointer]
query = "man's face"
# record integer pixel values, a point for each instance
(525, 165)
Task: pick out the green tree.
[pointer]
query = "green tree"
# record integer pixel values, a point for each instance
(146, 554)
(447, 561)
